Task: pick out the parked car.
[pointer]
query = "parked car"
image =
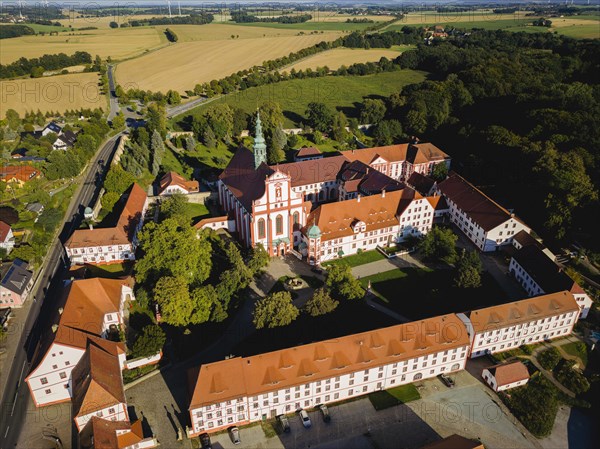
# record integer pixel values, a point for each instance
(448, 381)
(4, 315)
(316, 270)
(284, 423)
(205, 441)
(305, 419)
(325, 412)
(234, 434)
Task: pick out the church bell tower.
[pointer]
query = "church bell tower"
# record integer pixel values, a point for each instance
(260, 147)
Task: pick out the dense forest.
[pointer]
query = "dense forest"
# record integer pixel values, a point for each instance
(520, 114)
(192, 19)
(8, 31)
(35, 66)
(244, 17)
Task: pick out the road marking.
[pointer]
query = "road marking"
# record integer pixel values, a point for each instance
(6, 433)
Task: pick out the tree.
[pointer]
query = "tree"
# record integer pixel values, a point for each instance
(172, 249)
(278, 143)
(439, 244)
(220, 120)
(321, 303)
(549, 358)
(118, 121)
(338, 126)
(12, 119)
(342, 283)
(158, 150)
(118, 180)
(387, 132)
(205, 300)
(174, 300)
(113, 25)
(149, 342)
(173, 97)
(175, 207)
(440, 172)
(209, 138)
(271, 117)
(372, 111)
(259, 259)
(109, 199)
(156, 119)
(275, 310)
(468, 270)
(319, 116)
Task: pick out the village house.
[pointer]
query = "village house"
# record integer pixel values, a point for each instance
(172, 183)
(538, 274)
(250, 389)
(528, 321)
(100, 433)
(16, 285)
(506, 376)
(7, 238)
(425, 185)
(111, 245)
(18, 175)
(98, 388)
(307, 153)
(65, 140)
(487, 224)
(93, 311)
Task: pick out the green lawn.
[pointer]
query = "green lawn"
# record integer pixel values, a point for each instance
(171, 162)
(111, 271)
(340, 92)
(578, 349)
(45, 28)
(422, 293)
(197, 211)
(394, 396)
(358, 259)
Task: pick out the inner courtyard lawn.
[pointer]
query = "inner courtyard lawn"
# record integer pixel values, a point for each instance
(423, 293)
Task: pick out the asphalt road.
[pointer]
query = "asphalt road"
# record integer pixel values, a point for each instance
(114, 101)
(45, 294)
(180, 109)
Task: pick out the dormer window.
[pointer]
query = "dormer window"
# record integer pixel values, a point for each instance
(109, 317)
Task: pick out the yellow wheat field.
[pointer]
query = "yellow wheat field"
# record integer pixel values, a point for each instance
(223, 31)
(52, 93)
(331, 16)
(337, 57)
(181, 66)
(118, 43)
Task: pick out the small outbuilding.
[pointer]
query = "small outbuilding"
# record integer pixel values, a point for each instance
(505, 376)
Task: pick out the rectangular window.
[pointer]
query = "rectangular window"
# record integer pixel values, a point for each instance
(44, 380)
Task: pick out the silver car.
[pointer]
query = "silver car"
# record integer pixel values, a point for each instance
(305, 419)
(234, 434)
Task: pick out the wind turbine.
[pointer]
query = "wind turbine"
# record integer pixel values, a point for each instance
(179, 6)
(169, 3)
(21, 8)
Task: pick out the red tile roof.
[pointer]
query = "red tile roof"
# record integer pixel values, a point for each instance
(482, 209)
(97, 382)
(122, 233)
(21, 173)
(358, 176)
(313, 171)
(271, 371)
(508, 373)
(308, 152)
(419, 153)
(4, 230)
(100, 433)
(174, 179)
(377, 211)
(522, 311)
(421, 183)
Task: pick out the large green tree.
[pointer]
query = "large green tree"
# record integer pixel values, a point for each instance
(173, 298)
(439, 244)
(172, 249)
(149, 342)
(342, 283)
(319, 116)
(372, 111)
(275, 310)
(321, 303)
(468, 270)
(175, 206)
(118, 180)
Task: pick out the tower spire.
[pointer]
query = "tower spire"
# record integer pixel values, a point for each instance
(260, 147)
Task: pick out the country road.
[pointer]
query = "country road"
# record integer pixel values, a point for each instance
(43, 297)
(180, 109)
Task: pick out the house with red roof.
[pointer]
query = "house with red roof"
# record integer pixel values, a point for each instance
(7, 238)
(172, 183)
(506, 376)
(115, 244)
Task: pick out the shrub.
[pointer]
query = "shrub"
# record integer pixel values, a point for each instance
(549, 358)
(571, 378)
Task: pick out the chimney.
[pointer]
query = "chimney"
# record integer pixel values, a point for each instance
(383, 193)
(358, 198)
(91, 226)
(54, 328)
(60, 310)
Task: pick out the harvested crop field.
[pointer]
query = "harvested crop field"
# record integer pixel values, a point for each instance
(183, 65)
(219, 31)
(117, 43)
(337, 57)
(53, 93)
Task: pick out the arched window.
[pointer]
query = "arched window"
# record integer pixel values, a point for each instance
(296, 216)
(321, 195)
(418, 376)
(332, 193)
(261, 229)
(279, 225)
(455, 367)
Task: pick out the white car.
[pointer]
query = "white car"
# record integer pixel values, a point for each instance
(305, 419)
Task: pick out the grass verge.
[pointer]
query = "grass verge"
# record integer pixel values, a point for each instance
(394, 396)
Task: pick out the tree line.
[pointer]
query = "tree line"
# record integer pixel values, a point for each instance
(244, 17)
(10, 31)
(33, 66)
(171, 35)
(192, 19)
